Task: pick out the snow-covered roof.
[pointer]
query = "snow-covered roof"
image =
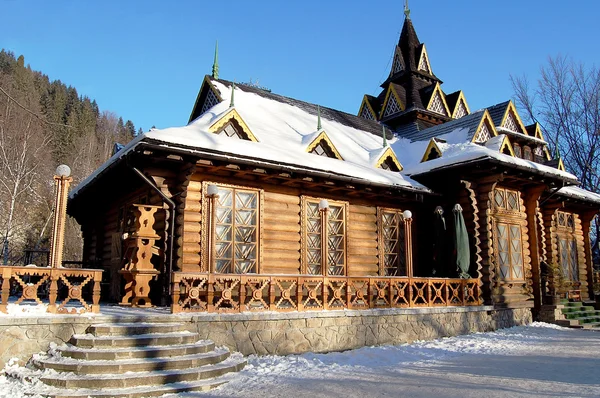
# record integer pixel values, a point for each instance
(284, 129)
(579, 193)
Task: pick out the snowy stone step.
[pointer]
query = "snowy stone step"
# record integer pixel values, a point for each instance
(98, 354)
(133, 365)
(128, 329)
(140, 392)
(152, 378)
(153, 339)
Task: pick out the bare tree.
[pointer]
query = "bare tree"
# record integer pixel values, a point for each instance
(24, 161)
(566, 103)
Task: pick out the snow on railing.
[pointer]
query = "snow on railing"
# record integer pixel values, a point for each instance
(60, 286)
(201, 292)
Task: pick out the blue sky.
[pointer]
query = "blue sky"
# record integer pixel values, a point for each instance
(146, 60)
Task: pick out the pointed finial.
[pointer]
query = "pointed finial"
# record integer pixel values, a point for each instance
(232, 103)
(319, 118)
(384, 137)
(215, 68)
(406, 9)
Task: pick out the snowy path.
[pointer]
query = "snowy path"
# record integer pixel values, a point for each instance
(538, 360)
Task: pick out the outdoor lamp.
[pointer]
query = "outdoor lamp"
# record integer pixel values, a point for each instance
(212, 190)
(323, 204)
(407, 214)
(63, 171)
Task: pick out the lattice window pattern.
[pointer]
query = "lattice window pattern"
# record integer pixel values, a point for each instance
(366, 113)
(567, 248)
(509, 251)
(323, 149)
(437, 105)
(507, 200)
(394, 251)
(210, 101)
(325, 247)
(336, 254)
(392, 106)
(462, 110)
(538, 154)
(484, 134)
(424, 64)
(511, 124)
(236, 231)
(397, 65)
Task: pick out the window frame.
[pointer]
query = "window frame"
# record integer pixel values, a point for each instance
(207, 227)
(510, 216)
(566, 231)
(401, 243)
(304, 201)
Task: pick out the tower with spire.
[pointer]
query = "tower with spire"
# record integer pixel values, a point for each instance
(411, 98)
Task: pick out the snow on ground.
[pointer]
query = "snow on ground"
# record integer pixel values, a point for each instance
(535, 360)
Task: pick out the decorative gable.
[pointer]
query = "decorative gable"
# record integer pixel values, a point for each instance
(366, 110)
(208, 97)
(389, 161)
(512, 121)
(506, 148)
(424, 61)
(433, 151)
(210, 101)
(323, 146)
(485, 130)
(460, 108)
(392, 103)
(437, 102)
(231, 124)
(398, 64)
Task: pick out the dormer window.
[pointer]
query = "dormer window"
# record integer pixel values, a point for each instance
(389, 164)
(322, 149)
(518, 151)
(527, 154)
(230, 131)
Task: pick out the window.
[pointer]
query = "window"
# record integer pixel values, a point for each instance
(510, 253)
(324, 237)
(527, 154)
(567, 245)
(389, 164)
(322, 149)
(392, 249)
(235, 233)
(517, 149)
(508, 237)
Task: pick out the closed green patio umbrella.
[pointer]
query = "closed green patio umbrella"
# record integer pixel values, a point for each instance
(462, 253)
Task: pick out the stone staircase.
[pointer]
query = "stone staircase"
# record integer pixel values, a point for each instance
(579, 315)
(136, 360)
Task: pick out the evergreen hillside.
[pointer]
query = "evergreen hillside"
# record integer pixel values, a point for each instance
(45, 123)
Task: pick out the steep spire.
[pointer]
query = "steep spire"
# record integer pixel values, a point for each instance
(319, 127)
(406, 10)
(232, 103)
(215, 67)
(384, 137)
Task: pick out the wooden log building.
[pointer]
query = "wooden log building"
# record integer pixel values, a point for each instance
(264, 202)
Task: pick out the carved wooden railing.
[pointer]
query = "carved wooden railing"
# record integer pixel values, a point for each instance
(194, 292)
(61, 286)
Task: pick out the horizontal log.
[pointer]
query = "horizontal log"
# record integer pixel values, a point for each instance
(362, 226)
(280, 254)
(190, 267)
(367, 243)
(283, 227)
(193, 206)
(195, 186)
(361, 217)
(190, 258)
(271, 218)
(191, 237)
(291, 269)
(269, 234)
(193, 228)
(275, 206)
(357, 234)
(194, 196)
(281, 245)
(191, 248)
(192, 218)
(359, 260)
(362, 251)
(282, 198)
(363, 209)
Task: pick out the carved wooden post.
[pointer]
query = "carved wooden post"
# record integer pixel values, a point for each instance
(532, 197)
(407, 215)
(586, 220)
(6, 276)
(53, 293)
(96, 291)
(175, 306)
(61, 183)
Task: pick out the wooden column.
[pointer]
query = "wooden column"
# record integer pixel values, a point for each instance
(586, 221)
(61, 184)
(532, 197)
(408, 246)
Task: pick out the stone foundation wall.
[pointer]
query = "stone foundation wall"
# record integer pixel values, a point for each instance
(293, 333)
(275, 333)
